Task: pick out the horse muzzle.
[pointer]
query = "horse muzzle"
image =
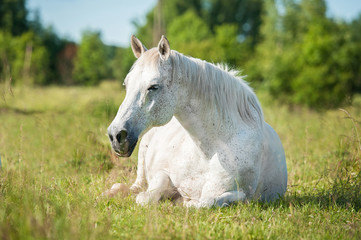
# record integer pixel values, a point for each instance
(122, 143)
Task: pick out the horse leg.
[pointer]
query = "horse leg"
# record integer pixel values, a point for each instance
(224, 200)
(208, 197)
(230, 197)
(159, 185)
(214, 194)
(140, 182)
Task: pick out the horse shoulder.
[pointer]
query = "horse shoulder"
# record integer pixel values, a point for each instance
(248, 143)
(157, 147)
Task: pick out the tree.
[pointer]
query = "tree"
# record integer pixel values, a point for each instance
(168, 11)
(324, 78)
(89, 65)
(65, 63)
(13, 15)
(54, 46)
(122, 62)
(245, 14)
(24, 59)
(355, 53)
(304, 57)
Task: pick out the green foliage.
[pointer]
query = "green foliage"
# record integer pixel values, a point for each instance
(198, 40)
(146, 30)
(324, 79)
(122, 62)
(227, 47)
(24, 59)
(301, 56)
(174, 8)
(305, 58)
(192, 40)
(89, 65)
(171, 10)
(30, 52)
(53, 45)
(355, 53)
(245, 14)
(217, 31)
(13, 14)
(34, 55)
(196, 30)
(289, 47)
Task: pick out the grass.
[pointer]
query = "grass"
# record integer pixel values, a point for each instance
(56, 161)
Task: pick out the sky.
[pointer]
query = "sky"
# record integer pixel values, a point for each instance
(114, 18)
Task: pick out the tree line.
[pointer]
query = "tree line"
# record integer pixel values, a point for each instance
(32, 54)
(291, 48)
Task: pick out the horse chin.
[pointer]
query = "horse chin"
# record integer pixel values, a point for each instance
(129, 151)
(128, 154)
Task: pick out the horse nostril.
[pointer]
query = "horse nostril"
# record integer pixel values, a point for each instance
(110, 137)
(121, 136)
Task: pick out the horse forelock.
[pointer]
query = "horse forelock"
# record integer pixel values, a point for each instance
(220, 87)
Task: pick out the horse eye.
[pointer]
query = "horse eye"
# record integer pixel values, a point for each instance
(153, 87)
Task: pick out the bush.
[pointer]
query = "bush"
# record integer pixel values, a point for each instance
(89, 65)
(324, 79)
(24, 59)
(309, 62)
(122, 62)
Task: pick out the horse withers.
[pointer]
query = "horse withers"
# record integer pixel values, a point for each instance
(202, 129)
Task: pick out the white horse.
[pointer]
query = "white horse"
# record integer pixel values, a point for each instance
(202, 129)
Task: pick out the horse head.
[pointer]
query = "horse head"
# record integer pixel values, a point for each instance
(150, 99)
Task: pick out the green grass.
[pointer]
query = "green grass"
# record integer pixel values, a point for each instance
(57, 161)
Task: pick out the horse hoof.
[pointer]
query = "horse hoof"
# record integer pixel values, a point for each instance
(115, 189)
(135, 189)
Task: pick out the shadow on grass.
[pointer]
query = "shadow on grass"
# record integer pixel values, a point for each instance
(340, 196)
(20, 111)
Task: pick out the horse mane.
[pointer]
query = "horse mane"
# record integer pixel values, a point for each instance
(219, 86)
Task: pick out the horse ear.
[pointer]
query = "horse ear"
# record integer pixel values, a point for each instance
(164, 48)
(137, 46)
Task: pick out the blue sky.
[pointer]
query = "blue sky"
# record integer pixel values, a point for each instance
(114, 17)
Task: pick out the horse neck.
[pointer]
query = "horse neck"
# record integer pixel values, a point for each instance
(204, 116)
(206, 125)
(202, 125)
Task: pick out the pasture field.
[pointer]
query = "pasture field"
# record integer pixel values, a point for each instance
(56, 162)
